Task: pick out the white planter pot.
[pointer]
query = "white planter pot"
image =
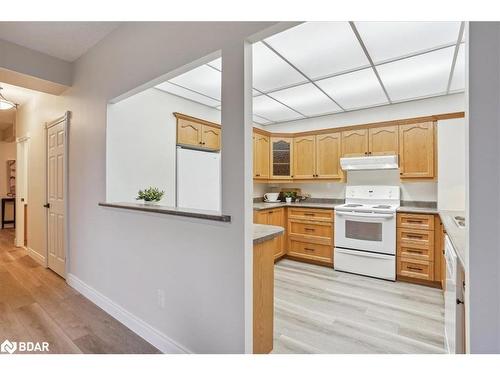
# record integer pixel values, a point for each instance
(151, 203)
(288, 199)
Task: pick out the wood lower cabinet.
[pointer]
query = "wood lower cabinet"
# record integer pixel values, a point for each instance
(275, 216)
(261, 158)
(263, 296)
(419, 249)
(310, 235)
(417, 150)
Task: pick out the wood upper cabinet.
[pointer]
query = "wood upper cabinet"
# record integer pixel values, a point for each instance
(281, 157)
(198, 133)
(355, 142)
(261, 147)
(304, 157)
(328, 149)
(383, 140)
(210, 137)
(416, 150)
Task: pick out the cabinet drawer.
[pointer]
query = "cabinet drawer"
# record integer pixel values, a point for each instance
(416, 269)
(414, 238)
(424, 253)
(311, 214)
(414, 221)
(310, 229)
(306, 250)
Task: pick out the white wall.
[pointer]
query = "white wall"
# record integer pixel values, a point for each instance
(416, 108)
(483, 197)
(141, 143)
(127, 256)
(451, 164)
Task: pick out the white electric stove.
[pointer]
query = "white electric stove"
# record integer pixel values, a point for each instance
(365, 231)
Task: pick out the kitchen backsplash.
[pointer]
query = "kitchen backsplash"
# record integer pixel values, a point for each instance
(410, 191)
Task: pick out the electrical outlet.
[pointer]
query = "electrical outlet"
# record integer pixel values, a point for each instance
(161, 298)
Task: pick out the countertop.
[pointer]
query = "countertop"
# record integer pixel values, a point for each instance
(259, 206)
(262, 232)
(455, 233)
(418, 210)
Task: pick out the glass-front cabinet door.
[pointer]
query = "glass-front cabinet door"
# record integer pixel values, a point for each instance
(281, 158)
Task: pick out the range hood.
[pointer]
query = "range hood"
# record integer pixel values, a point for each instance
(369, 162)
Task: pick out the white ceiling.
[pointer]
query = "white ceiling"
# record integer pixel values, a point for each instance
(318, 68)
(64, 40)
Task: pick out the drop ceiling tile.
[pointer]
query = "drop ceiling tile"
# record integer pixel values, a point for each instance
(320, 48)
(355, 90)
(458, 80)
(184, 93)
(387, 40)
(307, 99)
(270, 71)
(418, 76)
(260, 120)
(203, 79)
(270, 109)
(217, 63)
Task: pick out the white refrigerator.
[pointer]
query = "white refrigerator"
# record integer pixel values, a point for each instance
(198, 179)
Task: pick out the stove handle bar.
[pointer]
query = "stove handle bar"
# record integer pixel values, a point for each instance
(363, 215)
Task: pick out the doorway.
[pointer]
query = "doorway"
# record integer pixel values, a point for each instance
(57, 188)
(22, 151)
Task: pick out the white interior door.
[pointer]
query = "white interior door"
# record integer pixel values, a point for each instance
(56, 195)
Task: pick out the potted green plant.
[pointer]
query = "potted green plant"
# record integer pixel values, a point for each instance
(151, 195)
(289, 196)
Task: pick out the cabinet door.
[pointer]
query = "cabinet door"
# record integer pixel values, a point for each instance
(281, 158)
(189, 133)
(328, 148)
(416, 150)
(261, 156)
(383, 141)
(260, 217)
(304, 157)
(210, 137)
(355, 142)
(277, 217)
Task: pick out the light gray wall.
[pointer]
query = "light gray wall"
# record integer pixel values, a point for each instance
(127, 256)
(35, 64)
(141, 143)
(483, 214)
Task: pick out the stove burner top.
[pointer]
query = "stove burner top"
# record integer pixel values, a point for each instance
(353, 205)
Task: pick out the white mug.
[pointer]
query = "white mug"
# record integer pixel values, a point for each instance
(271, 196)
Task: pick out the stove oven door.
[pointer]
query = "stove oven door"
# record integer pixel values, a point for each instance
(367, 231)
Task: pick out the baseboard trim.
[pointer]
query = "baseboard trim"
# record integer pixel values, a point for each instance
(156, 338)
(37, 257)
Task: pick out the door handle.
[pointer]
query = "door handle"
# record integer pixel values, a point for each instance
(46, 205)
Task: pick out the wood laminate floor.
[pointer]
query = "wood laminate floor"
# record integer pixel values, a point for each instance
(319, 310)
(37, 305)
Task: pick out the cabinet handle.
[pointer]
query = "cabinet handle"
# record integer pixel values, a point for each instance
(308, 214)
(310, 229)
(270, 212)
(308, 249)
(415, 236)
(414, 221)
(414, 251)
(257, 175)
(414, 268)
